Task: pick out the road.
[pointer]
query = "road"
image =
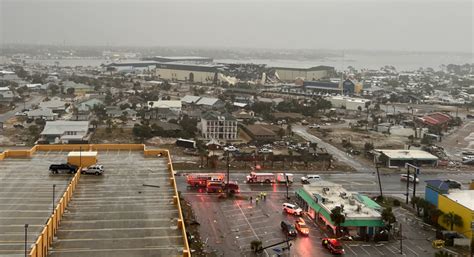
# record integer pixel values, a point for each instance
(356, 182)
(337, 154)
(33, 100)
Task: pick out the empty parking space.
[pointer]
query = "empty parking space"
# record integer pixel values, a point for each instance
(26, 197)
(128, 211)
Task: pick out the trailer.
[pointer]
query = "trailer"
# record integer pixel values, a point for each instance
(269, 178)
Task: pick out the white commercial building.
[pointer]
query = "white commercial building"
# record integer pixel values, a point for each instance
(350, 103)
(218, 126)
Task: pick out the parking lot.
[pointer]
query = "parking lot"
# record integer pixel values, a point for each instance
(228, 227)
(26, 197)
(128, 211)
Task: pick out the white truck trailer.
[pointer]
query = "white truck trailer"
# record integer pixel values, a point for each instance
(260, 177)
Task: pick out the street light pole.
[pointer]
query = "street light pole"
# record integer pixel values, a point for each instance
(287, 185)
(80, 156)
(54, 192)
(401, 239)
(26, 240)
(414, 185)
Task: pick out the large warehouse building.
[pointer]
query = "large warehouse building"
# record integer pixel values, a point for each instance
(311, 74)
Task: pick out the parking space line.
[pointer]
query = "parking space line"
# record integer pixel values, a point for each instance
(348, 247)
(411, 250)
(115, 238)
(251, 227)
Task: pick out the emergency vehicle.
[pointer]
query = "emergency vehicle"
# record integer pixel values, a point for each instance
(268, 178)
(201, 179)
(219, 187)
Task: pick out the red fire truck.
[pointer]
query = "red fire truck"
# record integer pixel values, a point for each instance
(201, 179)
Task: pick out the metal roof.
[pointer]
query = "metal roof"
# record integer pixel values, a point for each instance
(407, 154)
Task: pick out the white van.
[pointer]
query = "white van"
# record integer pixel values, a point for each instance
(309, 178)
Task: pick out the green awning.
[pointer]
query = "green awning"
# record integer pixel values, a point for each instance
(349, 222)
(369, 202)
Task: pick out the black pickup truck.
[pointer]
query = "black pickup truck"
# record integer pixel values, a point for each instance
(65, 167)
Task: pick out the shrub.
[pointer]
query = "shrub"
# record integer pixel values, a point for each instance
(396, 202)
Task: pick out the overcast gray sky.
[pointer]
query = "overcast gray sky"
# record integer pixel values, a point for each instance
(419, 25)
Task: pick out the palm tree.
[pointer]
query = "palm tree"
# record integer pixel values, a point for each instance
(337, 217)
(452, 219)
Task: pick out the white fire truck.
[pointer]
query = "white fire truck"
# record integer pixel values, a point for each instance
(260, 177)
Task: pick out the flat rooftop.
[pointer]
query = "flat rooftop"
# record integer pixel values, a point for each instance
(334, 195)
(127, 211)
(463, 197)
(407, 154)
(26, 197)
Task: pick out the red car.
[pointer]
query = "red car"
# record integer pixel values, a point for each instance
(301, 226)
(333, 245)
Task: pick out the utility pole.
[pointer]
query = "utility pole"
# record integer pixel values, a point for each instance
(408, 183)
(228, 172)
(287, 185)
(378, 176)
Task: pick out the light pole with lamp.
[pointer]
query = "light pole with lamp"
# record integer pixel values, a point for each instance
(26, 240)
(54, 197)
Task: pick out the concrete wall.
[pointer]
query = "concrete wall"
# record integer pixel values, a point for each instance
(447, 205)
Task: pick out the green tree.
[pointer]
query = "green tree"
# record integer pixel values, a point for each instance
(281, 133)
(54, 89)
(388, 217)
(337, 217)
(94, 123)
(452, 219)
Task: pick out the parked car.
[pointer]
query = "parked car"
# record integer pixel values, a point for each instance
(403, 177)
(333, 245)
(265, 151)
(94, 169)
(316, 126)
(20, 114)
(309, 178)
(454, 183)
(65, 167)
(288, 229)
(301, 226)
(467, 158)
(292, 209)
(468, 162)
(231, 148)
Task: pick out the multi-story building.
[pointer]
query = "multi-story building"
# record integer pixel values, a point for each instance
(218, 126)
